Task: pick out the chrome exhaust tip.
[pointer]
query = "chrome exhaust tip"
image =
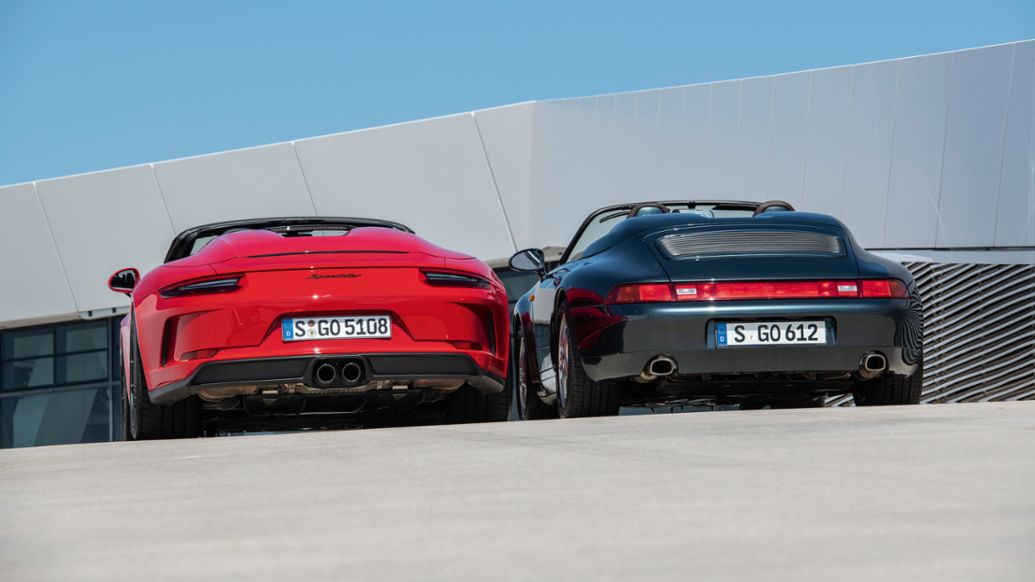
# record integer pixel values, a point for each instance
(324, 375)
(657, 367)
(662, 366)
(872, 365)
(351, 372)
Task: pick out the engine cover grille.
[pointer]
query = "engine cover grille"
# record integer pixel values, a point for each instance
(715, 243)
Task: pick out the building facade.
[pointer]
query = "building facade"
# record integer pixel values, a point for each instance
(927, 159)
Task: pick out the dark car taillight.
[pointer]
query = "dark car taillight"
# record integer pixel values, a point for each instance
(454, 279)
(222, 284)
(748, 290)
(884, 289)
(641, 293)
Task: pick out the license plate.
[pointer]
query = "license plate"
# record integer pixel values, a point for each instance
(770, 333)
(345, 327)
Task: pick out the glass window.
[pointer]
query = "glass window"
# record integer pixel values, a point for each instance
(597, 228)
(517, 283)
(200, 243)
(28, 343)
(85, 367)
(77, 416)
(79, 338)
(55, 386)
(28, 373)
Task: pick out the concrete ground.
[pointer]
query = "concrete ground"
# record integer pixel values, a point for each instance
(940, 492)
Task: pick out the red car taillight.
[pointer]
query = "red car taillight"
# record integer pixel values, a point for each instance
(448, 279)
(740, 291)
(221, 284)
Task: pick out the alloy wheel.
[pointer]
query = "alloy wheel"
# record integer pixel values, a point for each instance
(563, 364)
(522, 378)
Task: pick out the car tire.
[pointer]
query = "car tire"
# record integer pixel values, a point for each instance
(146, 420)
(578, 395)
(529, 405)
(468, 404)
(890, 389)
(126, 434)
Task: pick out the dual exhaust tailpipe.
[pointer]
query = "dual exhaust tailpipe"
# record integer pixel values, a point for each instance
(872, 365)
(657, 367)
(339, 372)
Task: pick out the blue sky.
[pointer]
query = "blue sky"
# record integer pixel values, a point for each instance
(92, 85)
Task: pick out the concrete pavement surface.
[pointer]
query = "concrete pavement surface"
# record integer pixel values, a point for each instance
(938, 492)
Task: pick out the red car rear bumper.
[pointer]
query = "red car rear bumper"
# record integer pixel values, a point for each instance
(458, 332)
(375, 369)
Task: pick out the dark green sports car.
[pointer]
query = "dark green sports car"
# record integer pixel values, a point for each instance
(713, 302)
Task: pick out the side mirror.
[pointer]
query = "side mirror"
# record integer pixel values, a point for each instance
(529, 260)
(124, 280)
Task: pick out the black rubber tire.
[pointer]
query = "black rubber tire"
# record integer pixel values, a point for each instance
(584, 396)
(535, 408)
(468, 405)
(126, 436)
(149, 421)
(890, 390)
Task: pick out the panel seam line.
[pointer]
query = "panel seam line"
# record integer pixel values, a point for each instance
(161, 195)
(1006, 133)
(305, 179)
(495, 185)
(57, 250)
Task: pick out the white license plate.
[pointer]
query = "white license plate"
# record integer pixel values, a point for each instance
(345, 327)
(770, 333)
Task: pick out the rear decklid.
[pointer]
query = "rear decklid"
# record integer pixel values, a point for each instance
(753, 249)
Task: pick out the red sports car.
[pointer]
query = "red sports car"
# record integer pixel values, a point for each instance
(255, 319)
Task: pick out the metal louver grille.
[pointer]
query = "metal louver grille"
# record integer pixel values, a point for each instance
(979, 332)
(749, 242)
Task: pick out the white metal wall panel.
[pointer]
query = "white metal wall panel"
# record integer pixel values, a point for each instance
(749, 176)
(825, 140)
(671, 163)
(506, 134)
(252, 183)
(431, 175)
(103, 222)
(868, 151)
(557, 184)
(33, 281)
(973, 159)
(654, 179)
(915, 180)
(581, 160)
(626, 143)
(1015, 220)
(694, 143)
(723, 120)
(786, 165)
